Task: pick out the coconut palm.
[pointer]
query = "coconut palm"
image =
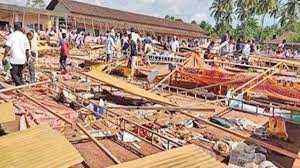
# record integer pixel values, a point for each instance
(290, 12)
(217, 10)
(222, 10)
(265, 7)
(275, 13)
(245, 10)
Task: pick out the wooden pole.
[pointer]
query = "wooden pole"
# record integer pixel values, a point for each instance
(66, 22)
(106, 151)
(93, 27)
(202, 109)
(84, 24)
(23, 86)
(39, 21)
(23, 20)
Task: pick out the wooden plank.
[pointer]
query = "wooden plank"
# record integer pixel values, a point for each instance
(39, 147)
(126, 87)
(6, 113)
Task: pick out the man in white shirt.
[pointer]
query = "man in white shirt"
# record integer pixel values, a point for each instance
(174, 45)
(246, 53)
(135, 36)
(18, 46)
(109, 47)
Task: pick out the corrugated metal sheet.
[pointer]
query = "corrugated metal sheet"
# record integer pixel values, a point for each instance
(190, 156)
(126, 87)
(6, 112)
(37, 147)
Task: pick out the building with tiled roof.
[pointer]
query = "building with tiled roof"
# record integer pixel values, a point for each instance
(101, 19)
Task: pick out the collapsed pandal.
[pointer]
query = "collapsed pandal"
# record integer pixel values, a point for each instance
(232, 116)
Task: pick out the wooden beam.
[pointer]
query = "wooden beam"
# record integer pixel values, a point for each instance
(274, 68)
(23, 86)
(202, 109)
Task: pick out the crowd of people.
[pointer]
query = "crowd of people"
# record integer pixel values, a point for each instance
(242, 50)
(21, 48)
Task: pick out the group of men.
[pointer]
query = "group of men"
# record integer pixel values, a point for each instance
(21, 50)
(241, 50)
(129, 44)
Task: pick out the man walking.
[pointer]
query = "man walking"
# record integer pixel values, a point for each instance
(18, 46)
(64, 53)
(32, 57)
(109, 47)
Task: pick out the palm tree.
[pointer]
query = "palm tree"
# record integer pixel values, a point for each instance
(217, 10)
(291, 12)
(275, 13)
(222, 10)
(265, 7)
(245, 10)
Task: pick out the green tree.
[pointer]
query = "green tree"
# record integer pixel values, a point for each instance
(193, 22)
(206, 27)
(275, 13)
(290, 12)
(266, 7)
(178, 20)
(245, 10)
(222, 11)
(40, 4)
(250, 32)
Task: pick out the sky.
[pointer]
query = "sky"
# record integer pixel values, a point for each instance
(188, 10)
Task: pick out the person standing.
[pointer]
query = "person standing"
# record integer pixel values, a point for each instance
(225, 37)
(18, 46)
(280, 48)
(32, 57)
(109, 47)
(148, 49)
(64, 52)
(133, 55)
(246, 53)
(125, 43)
(207, 54)
(174, 45)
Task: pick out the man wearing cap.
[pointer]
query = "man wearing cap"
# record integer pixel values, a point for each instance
(18, 46)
